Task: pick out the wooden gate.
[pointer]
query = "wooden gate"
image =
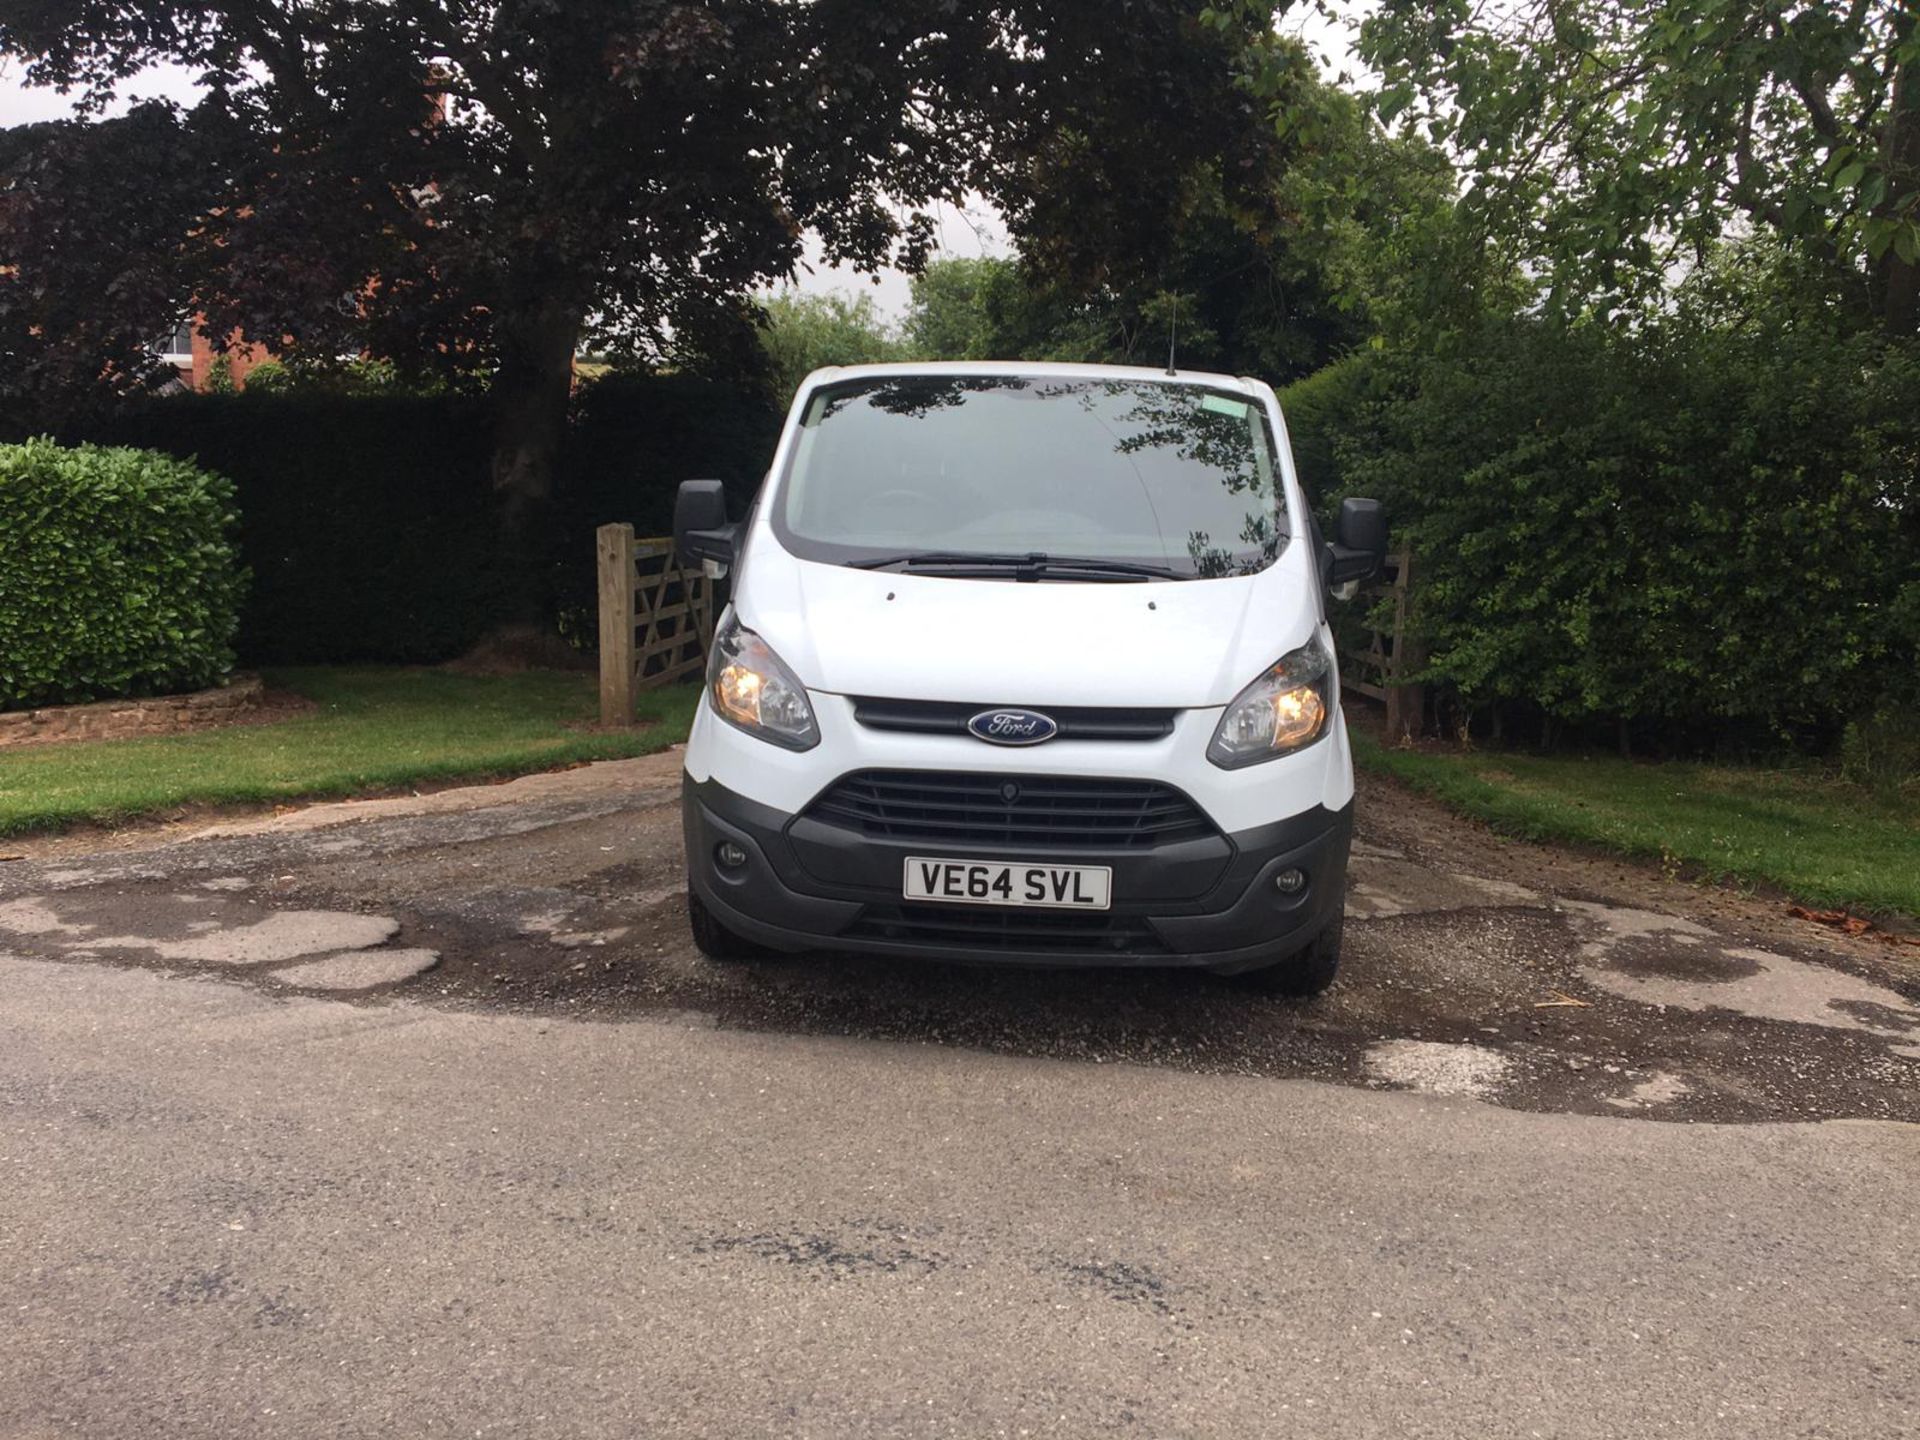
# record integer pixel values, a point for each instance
(1376, 662)
(656, 619)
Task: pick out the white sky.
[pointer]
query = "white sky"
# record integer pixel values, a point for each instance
(20, 104)
(974, 231)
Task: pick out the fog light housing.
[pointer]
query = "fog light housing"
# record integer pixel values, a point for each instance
(1290, 882)
(730, 855)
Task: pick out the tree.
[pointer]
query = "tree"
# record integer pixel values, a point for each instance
(481, 184)
(77, 327)
(1613, 140)
(997, 309)
(1272, 270)
(801, 333)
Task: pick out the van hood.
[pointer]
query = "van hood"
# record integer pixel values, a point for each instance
(1183, 644)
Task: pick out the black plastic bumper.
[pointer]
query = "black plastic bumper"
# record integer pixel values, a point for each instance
(1211, 904)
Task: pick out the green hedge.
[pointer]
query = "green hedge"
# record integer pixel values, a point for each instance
(367, 519)
(1319, 412)
(118, 575)
(634, 439)
(1702, 532)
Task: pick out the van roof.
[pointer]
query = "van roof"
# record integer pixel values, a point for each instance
(833, 374)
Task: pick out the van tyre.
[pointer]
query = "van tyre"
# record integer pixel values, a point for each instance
(1307, 972)
(716, 941)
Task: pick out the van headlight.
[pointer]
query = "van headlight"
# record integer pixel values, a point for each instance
(1285, 708)
(751, 687)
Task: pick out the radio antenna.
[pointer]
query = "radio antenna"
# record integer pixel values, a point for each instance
(1173, 328)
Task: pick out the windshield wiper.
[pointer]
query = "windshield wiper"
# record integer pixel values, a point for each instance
(1088, 565)
(1034, 566)
(942, 557)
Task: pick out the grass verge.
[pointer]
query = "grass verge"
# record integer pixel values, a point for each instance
(374, 729)
(1821, 841)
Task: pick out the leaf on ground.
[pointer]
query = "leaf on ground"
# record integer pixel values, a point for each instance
(1839, 919)
(1848, 924)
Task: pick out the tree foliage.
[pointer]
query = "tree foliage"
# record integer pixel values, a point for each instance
(91, 274)
(481, 183)
(1611, 140)
(1274, 274)
(800, 333)
(995, 308)
(330, 376)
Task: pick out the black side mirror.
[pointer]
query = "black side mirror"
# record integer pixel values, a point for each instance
(700, 528)
(1359, 546)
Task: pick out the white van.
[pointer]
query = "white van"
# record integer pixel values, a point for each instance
(1025, 663)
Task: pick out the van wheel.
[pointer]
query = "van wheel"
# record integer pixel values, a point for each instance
(1305, 973)
(716, 941)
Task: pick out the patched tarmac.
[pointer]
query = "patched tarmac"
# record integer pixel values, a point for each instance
(1514, 974)
(422, 1117)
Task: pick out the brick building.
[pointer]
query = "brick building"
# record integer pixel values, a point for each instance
(194, 357)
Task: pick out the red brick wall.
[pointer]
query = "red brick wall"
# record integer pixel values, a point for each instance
(240, 358)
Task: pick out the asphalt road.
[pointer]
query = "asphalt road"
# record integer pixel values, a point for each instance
(1537, 1167)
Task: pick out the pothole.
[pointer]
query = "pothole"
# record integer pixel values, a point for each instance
(284, 935)
(1659, 1088)
(1628, 954)
(358, 969)
(1438, 1069)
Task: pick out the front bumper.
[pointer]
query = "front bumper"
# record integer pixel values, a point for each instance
(1208, 903)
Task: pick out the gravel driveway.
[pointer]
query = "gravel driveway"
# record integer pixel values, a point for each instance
(421, 1115)
(1519, 974)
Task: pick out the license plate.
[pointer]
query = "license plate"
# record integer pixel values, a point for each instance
(996, 882)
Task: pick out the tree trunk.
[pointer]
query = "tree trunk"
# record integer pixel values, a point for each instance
(1900, 279)
(531, 391)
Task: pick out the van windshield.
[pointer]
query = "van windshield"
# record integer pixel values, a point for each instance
(971, 474)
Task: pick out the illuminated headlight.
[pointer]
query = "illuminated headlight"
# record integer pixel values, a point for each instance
(751, 687)
(1285, 708)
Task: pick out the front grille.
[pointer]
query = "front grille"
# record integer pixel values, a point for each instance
(979, 928)
(1076, 722)
(1030, 812)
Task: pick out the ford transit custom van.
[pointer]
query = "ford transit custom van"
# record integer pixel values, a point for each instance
(1025, 663)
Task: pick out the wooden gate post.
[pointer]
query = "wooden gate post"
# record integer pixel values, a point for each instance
(614, 547)
(1406, 704)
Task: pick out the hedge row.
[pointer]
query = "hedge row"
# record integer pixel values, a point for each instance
(634, 439)
(1710, 534)
(368, 520)
(118, 576)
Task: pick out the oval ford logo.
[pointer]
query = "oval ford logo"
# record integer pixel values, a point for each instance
(1012, 727)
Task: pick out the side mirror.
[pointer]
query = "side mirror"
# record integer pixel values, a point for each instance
(1359, 546)
(701, 534)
